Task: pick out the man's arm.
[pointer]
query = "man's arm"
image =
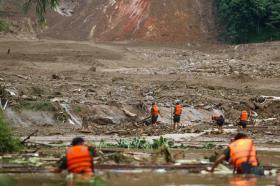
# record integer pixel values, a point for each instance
(92, 151)
(62, 165)
(217, 162)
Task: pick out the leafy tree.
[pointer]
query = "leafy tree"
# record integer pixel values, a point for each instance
(41, 7)
(250, 20)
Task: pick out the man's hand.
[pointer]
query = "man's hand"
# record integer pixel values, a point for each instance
(55, 170)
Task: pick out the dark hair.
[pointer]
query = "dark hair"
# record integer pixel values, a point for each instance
(240, 136)
(77, 141)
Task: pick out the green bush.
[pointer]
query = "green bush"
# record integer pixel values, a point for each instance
(4, 26)
(8, 143)
(137, 143)
(250, 20)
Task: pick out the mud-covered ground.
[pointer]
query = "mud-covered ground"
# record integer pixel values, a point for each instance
(61, 89)
(76, 88)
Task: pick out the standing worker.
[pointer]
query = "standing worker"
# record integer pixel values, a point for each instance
(242, 155)
(243, 119)
(78, 159)
(177, 114)
(154, 113)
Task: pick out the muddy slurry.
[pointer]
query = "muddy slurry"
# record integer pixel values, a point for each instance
(56, 90)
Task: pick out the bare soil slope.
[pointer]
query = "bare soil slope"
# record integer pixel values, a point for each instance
(114, 20)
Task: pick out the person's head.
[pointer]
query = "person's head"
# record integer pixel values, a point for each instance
(77, 141)
(154, 103)
(240, 136)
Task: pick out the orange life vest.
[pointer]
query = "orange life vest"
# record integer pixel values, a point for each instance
(240, 150)
(243, 181)
(79, 159)
(155, 110)
(178, 110)
(244, 116)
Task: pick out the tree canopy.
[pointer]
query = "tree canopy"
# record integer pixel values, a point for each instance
(249, 20)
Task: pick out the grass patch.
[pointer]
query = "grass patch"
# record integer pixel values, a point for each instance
(4, 26)
(41, 105)
(8, 142)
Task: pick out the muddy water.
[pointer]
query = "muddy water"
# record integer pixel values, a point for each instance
(159, 178)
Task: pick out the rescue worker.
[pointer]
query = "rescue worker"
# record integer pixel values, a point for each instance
(177, 114)
(277, 183)
(243, 119)
(155, 112)
(241, 153)
(243, 181)
(219, 119)
(78, 159)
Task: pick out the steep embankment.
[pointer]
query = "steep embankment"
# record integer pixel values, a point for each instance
(150, 20)
(159, 20)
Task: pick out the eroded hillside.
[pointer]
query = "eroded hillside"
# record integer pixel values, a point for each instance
(114, 20)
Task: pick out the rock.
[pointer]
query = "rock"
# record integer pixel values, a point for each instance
(55, 76)
(250, 105)
(93, 69)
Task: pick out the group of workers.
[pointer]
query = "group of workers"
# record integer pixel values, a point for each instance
(178, 109)
(155, 112)
(240, 153)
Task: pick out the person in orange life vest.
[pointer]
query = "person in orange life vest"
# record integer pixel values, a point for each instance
(154, 113)
(241, 153)
(78, 159)
(243, 119)
(277, 183)
(177, 114)
(243, 181)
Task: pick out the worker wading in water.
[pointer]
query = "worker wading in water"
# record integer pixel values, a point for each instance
(241, 153)
(177, 114)
(78, 158)
(243, 119)
(155, 112)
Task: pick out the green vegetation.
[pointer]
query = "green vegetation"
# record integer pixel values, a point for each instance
(6, 181)
(250, 20)
(137, 143)
(8, 143)
(43, 105)
(41, 7)
(209, 146)
(4, 26)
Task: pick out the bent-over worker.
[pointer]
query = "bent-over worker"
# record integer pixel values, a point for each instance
(219, 119)
(241, 153)
(78, 158)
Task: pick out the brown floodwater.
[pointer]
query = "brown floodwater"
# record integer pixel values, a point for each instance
(153, 178)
